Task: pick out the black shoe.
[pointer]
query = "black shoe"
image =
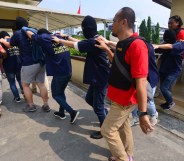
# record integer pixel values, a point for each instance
(169, 106)
(74, 116)
(96, 135)
(164, 104)
(60, 115)
(17, 99)
(46, 108)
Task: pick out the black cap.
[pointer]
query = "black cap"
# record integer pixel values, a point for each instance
(3, 34)
(43, 31)
(169, 36)
(21, 22)
(89, 27)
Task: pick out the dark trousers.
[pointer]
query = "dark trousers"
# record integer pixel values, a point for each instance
(166, 84)
(58, 86)
(11, 80)
(95, 97)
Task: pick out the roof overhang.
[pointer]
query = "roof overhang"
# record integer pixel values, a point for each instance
(56, 19)
(29, 2)
(165, 3)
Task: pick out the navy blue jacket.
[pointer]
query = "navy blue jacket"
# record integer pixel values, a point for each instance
(171, 62)
(57, 56)
(96, 70)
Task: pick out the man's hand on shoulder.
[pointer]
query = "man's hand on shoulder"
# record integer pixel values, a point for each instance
(145, 124)
(57, 40)
(101, 43)
(61, 34)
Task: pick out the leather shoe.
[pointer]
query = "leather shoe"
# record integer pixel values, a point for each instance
(96, 135)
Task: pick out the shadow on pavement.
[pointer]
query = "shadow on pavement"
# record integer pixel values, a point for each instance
(71, 142)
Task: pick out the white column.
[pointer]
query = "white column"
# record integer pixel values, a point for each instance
(104, 29)
(46, 22)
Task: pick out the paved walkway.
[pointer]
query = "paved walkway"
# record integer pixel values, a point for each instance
(40, 136)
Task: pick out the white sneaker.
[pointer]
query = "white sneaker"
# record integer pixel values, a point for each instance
(135, 121)
(156, 114)
(154, 119)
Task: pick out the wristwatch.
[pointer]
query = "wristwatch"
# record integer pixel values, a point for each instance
(140, 113)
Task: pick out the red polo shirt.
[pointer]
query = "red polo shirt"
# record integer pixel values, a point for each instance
(137, 57)
(180, 35)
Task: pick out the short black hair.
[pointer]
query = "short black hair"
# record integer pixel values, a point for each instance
(3, 34)
(129, 14)
(177, 19)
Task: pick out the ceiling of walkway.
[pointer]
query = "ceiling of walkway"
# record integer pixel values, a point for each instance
(166, 3)
(56, 19)
(29, 2)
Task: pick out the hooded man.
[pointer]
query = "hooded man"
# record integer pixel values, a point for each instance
(96, 70)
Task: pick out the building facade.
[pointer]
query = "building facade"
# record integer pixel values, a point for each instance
(7, 17)
(176, 6)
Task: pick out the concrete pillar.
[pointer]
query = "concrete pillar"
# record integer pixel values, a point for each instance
(105, 29)
(46, 22)
(177, 8)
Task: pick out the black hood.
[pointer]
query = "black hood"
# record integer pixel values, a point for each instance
(89, 27)
(169, 36)
(20, 22)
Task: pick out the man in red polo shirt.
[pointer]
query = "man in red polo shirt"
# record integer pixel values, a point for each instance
(175, 23)
(124, 96)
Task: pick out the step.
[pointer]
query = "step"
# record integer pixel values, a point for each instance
(177, 100)
(177, 111)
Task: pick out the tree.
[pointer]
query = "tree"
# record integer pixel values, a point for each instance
(143, 29)
(155, 35)
(149, 33)
(148, 36)
(157, 30)
(101, 32)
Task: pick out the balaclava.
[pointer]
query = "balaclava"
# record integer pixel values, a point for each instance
(169, 36)
(20, 22)
(89, 27)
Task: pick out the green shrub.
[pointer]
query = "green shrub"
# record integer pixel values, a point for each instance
(75, 52)
(101, 32)
(80, 37)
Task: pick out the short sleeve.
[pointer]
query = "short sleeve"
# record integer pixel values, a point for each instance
(137, 58)
(180, 35)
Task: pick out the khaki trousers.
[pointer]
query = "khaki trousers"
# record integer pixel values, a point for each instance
(117, 131)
